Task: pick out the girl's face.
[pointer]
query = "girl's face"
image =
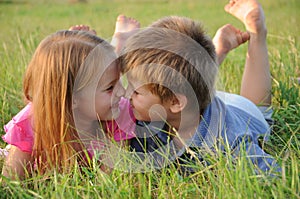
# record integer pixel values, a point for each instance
(106, 104)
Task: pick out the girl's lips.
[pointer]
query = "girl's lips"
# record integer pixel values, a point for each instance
(115, 102)
(115, 105)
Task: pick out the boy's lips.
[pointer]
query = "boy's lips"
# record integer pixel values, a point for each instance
(131, 104)
(134, 110)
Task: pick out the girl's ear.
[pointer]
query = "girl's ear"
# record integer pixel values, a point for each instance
(178, 103)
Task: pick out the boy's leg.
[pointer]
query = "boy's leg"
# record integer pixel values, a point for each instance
(227, 38)
(256, 82)
(125, 27)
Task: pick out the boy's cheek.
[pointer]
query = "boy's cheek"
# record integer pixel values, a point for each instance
(138, 115)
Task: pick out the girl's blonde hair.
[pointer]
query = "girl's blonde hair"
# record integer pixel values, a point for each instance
(48, 84)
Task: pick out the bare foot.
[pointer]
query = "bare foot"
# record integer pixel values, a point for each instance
(250, 13)
(83, 28)
(227, 38)
(125, 27)
(126, 24)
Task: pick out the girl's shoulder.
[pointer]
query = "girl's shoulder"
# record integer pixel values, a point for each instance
(19, 131)
(125, 123)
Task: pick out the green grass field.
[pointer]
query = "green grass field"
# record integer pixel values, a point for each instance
(24, 23)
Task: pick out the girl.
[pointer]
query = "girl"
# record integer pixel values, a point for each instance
(68, 71)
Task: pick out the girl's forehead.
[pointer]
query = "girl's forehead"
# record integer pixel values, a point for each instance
(112, 68)
(111, 73)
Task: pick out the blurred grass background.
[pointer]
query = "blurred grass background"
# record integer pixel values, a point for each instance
(23, 24)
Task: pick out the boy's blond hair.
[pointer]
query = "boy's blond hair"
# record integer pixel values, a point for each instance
(174, 55)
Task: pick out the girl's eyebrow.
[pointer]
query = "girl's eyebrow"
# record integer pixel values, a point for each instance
(109, 83)
(129, 83)
(113, 81)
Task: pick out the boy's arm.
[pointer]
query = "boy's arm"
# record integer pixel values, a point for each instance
(262, 161)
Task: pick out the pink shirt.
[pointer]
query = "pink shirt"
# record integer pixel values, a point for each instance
(19, 130)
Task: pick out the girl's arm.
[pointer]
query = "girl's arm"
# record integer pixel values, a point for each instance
(16, 163)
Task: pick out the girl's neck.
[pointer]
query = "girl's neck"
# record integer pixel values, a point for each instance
(88, 129)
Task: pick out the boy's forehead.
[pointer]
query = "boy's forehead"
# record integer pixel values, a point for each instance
(134, 81)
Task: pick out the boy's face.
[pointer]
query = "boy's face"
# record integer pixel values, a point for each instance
(146, 105)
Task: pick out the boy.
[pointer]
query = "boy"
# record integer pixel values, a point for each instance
(171, 70)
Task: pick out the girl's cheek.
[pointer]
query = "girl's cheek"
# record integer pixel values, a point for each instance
(110, 93)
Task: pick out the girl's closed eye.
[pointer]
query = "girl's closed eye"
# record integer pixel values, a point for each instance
(109, 88)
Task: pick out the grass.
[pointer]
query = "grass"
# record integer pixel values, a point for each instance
(23, 25)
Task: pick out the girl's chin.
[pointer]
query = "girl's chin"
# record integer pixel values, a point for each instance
(115, 112)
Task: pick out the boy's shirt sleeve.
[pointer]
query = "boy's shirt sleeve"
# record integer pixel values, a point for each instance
(19, 131)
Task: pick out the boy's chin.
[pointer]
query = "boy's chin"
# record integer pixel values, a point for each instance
(138, 117)
(144, 119)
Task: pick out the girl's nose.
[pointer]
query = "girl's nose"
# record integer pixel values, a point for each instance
(119, 90)
(128, 92)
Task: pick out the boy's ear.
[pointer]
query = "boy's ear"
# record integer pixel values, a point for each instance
(178, 103)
